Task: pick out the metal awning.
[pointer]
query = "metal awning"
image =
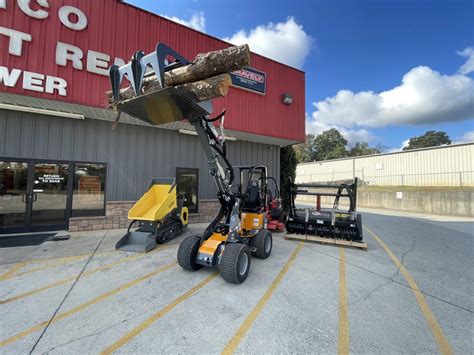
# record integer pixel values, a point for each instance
(68, 110)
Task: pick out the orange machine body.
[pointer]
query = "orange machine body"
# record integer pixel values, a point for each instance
(252, 221)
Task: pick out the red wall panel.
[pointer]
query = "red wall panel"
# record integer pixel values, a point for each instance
(119, 30)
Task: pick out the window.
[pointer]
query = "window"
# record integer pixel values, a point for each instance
(188, 183)
(88, 197)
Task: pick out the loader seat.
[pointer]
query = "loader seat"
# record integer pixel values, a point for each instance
(252, 200)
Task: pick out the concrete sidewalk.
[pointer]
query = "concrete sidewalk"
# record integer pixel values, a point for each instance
(80, 243)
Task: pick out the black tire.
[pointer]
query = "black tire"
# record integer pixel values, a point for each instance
(187, 252)
(231, 266)
(263, 241)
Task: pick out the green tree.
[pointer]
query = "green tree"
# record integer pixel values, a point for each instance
(303, 150)
(429, 139)
(362, 148)
(330, 144)
(287, 170)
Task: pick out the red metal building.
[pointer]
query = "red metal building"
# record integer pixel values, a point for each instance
(54, 57)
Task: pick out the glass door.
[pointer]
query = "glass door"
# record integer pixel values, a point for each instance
(49, 194)
(13, 194)
(187, 180)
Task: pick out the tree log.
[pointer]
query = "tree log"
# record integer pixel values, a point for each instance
(210, 88)
(204, 66)
(210, 64)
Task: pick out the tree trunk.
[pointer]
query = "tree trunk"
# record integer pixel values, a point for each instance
(207, 89)
(208, 66)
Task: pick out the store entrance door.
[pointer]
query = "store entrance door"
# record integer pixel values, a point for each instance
(34, 196)
(13, 194)
(49, 195)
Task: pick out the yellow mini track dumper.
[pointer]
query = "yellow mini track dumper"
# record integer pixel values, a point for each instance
(239, 229)
(160, 216)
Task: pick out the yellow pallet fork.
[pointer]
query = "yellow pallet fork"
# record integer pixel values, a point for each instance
(239, 229)
(160, 215)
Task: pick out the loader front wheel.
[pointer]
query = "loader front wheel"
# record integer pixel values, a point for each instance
(187, 252)
(263, 241)
(235, 263)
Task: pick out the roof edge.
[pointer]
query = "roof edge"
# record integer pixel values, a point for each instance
(60, 108)
(390, 153)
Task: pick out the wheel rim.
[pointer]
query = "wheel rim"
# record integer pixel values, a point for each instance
(243, 265)
(268, 244)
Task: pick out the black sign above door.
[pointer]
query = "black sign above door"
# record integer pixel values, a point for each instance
(250, 79)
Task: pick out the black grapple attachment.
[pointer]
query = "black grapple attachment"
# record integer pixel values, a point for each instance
(165, 105)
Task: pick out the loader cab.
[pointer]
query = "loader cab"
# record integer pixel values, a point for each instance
(253, 188)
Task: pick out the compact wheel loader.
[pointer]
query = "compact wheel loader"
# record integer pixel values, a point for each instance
(229, 243)
(239, 229)
(160, 214)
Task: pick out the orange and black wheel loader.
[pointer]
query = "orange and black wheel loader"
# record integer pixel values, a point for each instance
(238, 231)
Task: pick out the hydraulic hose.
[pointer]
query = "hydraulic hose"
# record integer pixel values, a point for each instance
(218, 117)
(229, 165)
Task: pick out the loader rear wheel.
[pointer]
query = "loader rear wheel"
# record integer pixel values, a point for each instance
(187, 252)
(263, 241)
(234, 265)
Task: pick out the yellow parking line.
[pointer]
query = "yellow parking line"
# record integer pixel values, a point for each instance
(17, 274)
(55, 261)
(343, 328)
(137, 330)
(83, 306)
(438, 334)
(244, 328)
(10, 272)
(88, 273)
(64, 258)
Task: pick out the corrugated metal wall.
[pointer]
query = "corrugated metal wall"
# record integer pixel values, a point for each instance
(134, 154)
(440, 166)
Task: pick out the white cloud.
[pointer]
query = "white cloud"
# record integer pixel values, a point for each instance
(351, 135)
(285, 42)
(403, 145)
(467, 137)
(424, 96)
(467, 67)
(197, 21)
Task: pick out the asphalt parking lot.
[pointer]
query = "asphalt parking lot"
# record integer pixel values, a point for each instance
(411, 292)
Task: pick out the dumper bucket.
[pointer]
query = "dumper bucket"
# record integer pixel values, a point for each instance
(151, 209)
(137, 242)
(164, 106)
(156, 202)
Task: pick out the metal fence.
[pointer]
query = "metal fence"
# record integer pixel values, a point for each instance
(454, 179)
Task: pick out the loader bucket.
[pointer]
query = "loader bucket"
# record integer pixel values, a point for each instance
(137, 242)
(164, 106)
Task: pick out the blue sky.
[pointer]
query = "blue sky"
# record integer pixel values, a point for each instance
(379, 71)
